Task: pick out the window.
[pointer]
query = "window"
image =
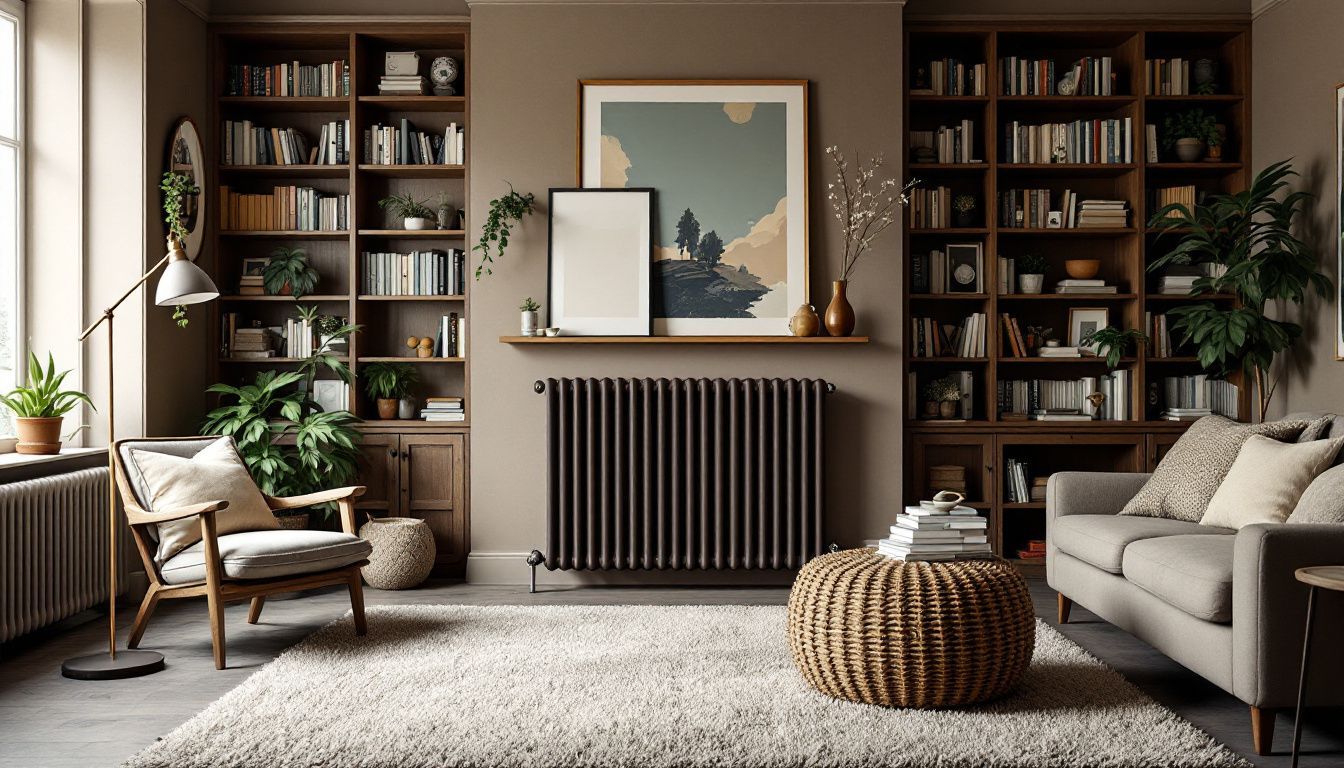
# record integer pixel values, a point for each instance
(11, 198)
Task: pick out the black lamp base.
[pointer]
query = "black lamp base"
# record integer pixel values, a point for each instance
(102, 666)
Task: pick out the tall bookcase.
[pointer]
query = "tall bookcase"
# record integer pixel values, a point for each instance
(411, 467)
(985, 443)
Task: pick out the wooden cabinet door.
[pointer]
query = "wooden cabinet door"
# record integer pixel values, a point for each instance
(433, 488)
(380, 473)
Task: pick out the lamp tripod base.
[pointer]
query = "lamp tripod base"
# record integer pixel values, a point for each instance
(102, 666)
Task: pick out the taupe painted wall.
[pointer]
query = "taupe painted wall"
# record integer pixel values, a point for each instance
(526, 61)
(1297, 64)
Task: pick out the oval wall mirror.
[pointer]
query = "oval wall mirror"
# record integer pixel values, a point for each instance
(185, 156)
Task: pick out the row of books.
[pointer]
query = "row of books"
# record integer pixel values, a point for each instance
(952, 77)
(418, 273)
(1100, 141)
(950, 144)
(1166, 77)
(930, 208)
(443, 409)
(925, 534)
(931, 337)
(1013, 333)
(1159, 334)
(295, 339)
(1186, 195)
(249, 144)
(1017, 481)
(451, 338)
(405, 145)
(1065, 399)
(958, 269)
(1092, 76)
(284, 208)
(1028, 208)
(1187, 398)
(289, 79)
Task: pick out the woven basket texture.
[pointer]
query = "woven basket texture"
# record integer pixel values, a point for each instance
(868, 628)
(403, 552)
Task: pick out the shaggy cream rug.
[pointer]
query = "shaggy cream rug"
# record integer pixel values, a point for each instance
(654, 687)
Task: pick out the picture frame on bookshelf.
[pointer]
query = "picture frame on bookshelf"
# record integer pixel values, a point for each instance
(1054, 220)
(599, 264)
(254, 266)
(1339, 220)
(1083, 322)
(965, 268)
(729, 160)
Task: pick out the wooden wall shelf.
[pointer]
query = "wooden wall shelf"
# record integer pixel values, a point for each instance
(803, 340)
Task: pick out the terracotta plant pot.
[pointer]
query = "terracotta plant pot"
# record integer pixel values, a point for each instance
(930, 409)
(948, 409)
(387, 408)
(1189, 150)
(38, 436)
(839, 314)
(1215, 154)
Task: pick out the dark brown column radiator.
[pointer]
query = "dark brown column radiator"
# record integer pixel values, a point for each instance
(683, 473)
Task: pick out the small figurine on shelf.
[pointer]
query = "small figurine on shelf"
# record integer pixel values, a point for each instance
(423, 345)
(443, 72)
(805, 322)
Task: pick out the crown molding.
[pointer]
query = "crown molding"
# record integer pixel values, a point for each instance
(1261, 7)
(200, 8)
(474, 3)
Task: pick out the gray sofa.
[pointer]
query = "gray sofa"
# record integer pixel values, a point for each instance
(1223, 603)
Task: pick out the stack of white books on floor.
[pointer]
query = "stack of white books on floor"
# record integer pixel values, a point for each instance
(923, 533)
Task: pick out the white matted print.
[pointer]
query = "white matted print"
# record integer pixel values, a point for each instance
(729, 161)
(601, 244)
(1085, 321)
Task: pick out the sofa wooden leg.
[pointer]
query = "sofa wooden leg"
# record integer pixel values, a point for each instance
(1262, 730)
(1065, 605)
(254, 611)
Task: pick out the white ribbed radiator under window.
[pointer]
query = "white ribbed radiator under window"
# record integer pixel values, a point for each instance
(53, 549)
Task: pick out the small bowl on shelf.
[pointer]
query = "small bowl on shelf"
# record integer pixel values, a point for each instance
(1082, 269)
(551, 333)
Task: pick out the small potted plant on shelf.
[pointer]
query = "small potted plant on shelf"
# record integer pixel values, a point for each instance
(964, 208)
(1031, 273)
(529, 309)
(288, 273)
(40, 407)
(388, 383)
(329, 334)
(1038, 336)
(1189, 133)
(941, 398)
(1113, 343)
(414, 214)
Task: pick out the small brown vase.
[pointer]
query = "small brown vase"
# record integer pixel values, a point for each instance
(805, 321)
(38, 436)
(839, 314)
(387, 408)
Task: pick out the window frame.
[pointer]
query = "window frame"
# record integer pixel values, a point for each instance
(16, 11)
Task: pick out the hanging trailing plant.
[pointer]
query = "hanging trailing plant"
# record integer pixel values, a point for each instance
(504, 211)
(176, 187)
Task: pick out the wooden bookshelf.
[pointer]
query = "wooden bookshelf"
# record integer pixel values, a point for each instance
(411, 467)
(984, 443)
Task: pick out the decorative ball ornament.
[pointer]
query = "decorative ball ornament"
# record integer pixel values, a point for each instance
(442, 72)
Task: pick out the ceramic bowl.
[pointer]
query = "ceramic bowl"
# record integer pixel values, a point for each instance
(1082, 269)
(943, 501)
(552, 332)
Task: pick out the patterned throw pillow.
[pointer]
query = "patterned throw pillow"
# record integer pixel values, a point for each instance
(1190, 473)
(1319, 429)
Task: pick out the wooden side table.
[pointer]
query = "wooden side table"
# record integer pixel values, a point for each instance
(1319, 577)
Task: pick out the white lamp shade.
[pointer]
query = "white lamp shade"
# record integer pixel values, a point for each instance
(184, 283)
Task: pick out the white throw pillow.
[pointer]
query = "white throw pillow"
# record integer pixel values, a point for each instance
(1267, 480)
(217, 472)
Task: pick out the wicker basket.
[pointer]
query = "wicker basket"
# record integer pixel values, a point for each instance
(403, 552)
(868, 628)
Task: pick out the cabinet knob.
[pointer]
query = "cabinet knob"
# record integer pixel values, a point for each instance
(392, 452)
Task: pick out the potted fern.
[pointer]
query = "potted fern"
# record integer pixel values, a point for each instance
(387, 384)
(40, 407)
(288, 273)
(414, 214)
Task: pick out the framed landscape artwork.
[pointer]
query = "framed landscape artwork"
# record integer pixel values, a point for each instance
(1339, 221)
(729, 162)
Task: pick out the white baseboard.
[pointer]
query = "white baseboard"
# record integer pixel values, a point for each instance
(510, 568)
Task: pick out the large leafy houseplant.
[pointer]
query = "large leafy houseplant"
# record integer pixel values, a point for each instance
(177, 187)
(1249, 235)
(290, 445)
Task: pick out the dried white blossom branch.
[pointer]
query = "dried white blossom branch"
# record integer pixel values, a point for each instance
(863, 209)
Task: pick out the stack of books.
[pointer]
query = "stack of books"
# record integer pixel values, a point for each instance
(1073, 285)
(949, 144)
(419, 273)
(952, 77)
(1081, 141)
(1190, 398)
(1166, 77)
(1016, 487)
(930, 208)
(1035, 550)
(1103, 213)
(1186, 195)
(251, 344)
(1062, 352)
(298, 339)
(251, 285)
(404, 144)
(930, 337)
(401, 85)
(1178, 280)
(1038, 485)
(924, 534)
(451, 340)
(443, 409)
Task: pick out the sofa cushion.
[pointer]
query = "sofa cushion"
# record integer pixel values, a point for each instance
(1193, 573)
(1267, 480)
(1100, 540)
(1323, 501)
(1321, 426)
(268, 555)
(1187, 477)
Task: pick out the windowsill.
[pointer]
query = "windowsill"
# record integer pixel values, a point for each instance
(18, 466)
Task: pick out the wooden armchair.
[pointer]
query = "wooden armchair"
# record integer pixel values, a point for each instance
(243, 565)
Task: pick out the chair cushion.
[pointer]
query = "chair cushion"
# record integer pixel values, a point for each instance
(269, 555)
(1323, 501)
(1267, 480)
(1100, 540)
(1193, 573)
(215, 472)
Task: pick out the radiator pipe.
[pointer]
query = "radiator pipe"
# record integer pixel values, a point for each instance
(539, 387)
(534, 559)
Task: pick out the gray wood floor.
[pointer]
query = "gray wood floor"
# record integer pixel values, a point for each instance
(49, 721)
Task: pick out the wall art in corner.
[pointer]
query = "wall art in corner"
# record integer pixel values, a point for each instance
(600, 258)
(729, 161)
(1339, 221)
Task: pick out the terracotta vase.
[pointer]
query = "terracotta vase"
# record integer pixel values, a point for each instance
(839, 314)
(387, 408)
(38, 436)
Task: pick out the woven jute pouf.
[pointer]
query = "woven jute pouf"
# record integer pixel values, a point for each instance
(403, 552)
(869, 628)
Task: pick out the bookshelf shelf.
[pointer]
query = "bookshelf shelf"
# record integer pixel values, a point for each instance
(417, 103)
(414, 360)
(986, 442)
(269, 360)
(318, 298)
(290, 234)
(415, 234)
(287, 103)
(302, 171)
(444, 297)
(414, 171)
(800, 340)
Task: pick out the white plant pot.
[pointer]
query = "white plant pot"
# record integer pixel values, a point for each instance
(530, 323)
(1189, 150)
(1030, 283)
(418, 224)
(406, 408)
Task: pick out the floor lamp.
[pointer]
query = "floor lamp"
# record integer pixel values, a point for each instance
(182, 283)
